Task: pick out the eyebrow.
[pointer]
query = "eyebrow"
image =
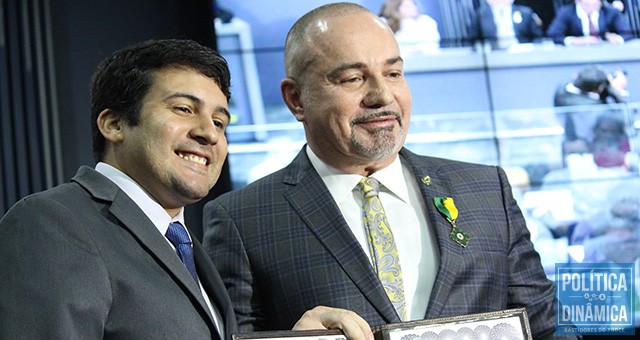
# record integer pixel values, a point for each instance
(198, 101)
(358, 65)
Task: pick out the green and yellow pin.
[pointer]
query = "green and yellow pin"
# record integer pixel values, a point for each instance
(450, 212)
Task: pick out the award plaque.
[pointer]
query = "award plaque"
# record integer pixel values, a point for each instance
(511, 324)
(292, 335)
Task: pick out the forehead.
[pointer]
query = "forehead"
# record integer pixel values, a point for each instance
(175, 77)
(183, 82)
(357, 36)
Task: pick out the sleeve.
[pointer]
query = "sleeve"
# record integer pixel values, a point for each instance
(558, 27)
(621, 25)
(535, 27)
(528, 284)
(53, 284)
(225, 247)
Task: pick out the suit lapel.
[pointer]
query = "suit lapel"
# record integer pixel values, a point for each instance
(488, 28)
(315, 205)
(214, 286)
(433, 184)
(133, 219)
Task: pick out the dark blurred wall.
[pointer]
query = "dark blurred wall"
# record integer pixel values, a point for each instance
(544, 9)
(82, 33)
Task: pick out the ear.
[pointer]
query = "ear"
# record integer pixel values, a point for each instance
(111, 125)
(291, 97)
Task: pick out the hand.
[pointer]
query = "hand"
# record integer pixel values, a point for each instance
(614, 38)
(618, 4)
(321, 317)
(585, 40)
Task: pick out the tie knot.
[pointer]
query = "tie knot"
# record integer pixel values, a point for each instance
(369, 187)
(177, 234)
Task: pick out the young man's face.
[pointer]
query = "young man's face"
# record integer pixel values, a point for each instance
(177, 149)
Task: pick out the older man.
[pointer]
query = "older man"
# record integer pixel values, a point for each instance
(316, 233)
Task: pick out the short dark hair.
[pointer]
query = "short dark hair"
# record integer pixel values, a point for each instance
(123, 79)
(591, 78)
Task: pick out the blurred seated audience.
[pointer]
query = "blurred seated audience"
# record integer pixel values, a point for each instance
(612, 232)
(603, 163)
(610, 143)
(504, 24)
(589, 22)
(415, 32)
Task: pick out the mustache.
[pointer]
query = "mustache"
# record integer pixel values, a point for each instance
(365, 118)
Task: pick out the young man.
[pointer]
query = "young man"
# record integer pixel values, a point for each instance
(108, 254)
(299, 238)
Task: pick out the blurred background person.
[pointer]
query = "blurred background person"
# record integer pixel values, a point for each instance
(618, 89)
(592, 85)
(612, 232)
(610, 143)
(415, 32)
(618, 4)
(588, 22)
(591, 174)
(503, 24)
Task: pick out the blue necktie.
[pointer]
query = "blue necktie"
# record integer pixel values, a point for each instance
(178, 236)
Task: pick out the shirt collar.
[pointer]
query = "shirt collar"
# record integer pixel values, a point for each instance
(154, 211)
(341, 184)
(584, 16)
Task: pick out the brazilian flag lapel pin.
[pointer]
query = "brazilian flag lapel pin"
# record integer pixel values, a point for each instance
(450, 212)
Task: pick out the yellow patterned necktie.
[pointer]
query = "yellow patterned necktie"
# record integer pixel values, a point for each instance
(382, 247)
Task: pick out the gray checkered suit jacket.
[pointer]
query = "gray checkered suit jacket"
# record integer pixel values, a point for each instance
(282, 247)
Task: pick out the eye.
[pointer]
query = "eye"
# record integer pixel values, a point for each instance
(352, 80)
(395, 75)
(219, 124)
(183, 109)
(220, 121)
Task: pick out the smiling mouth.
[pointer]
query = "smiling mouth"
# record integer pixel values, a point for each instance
(192, 158)
(378, 118)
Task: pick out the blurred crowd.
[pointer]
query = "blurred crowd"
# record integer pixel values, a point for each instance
(502, 24)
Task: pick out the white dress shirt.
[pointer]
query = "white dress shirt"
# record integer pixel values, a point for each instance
(584, 18)
(406, 212)
(503, 18)
(158, 216)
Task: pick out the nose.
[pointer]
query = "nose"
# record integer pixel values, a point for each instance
(378, 93)
(204, 130)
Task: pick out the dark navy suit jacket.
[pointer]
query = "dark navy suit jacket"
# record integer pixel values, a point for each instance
(526, 25)
(566, 23)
